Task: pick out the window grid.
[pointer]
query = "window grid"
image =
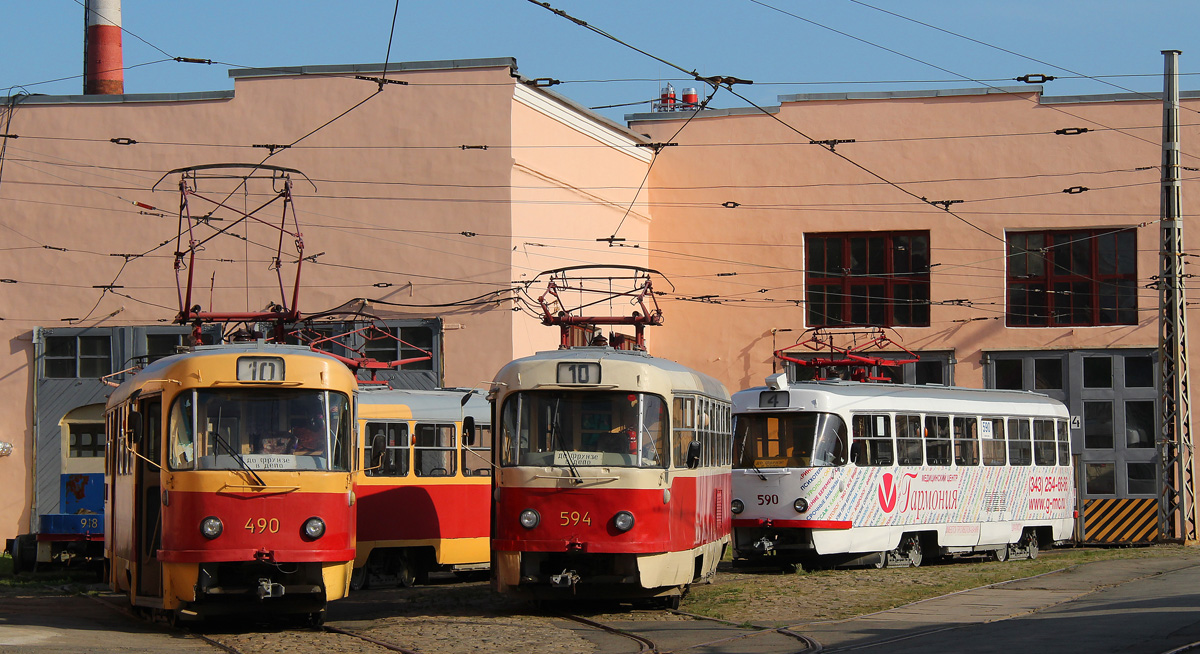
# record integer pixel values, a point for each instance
(1077, 277)
(874, 278)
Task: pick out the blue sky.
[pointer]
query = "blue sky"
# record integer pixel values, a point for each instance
(750, 39)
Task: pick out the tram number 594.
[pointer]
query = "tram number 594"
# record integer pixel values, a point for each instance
(764, 500)
(574, 518)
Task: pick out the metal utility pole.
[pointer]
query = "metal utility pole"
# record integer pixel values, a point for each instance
(1176, 517)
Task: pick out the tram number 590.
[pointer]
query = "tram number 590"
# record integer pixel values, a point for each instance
(768, 499)
(579, 373)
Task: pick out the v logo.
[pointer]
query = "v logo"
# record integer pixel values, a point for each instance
(887, 493)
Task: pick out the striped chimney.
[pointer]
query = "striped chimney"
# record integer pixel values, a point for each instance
(103, 67)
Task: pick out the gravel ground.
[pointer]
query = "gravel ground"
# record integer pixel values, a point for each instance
(453, 616)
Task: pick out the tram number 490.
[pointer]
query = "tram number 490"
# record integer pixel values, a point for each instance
(262, 525)
(768, 499)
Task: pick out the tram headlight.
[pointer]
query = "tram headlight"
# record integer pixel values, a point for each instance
(211, 527)
(737, 506)
(623, 521)
(314, 528)
(530, 518)
(801, 505)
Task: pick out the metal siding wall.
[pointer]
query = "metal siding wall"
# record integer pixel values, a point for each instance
(55, 399)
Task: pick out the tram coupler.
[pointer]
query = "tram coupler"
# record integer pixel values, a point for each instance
(763, 545)
(267, 588)
(567, 579)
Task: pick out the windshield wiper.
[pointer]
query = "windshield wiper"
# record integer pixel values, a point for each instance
(752, 466)
(558, 440)
(236, 457)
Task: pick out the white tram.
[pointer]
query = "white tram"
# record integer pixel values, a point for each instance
(835, 472)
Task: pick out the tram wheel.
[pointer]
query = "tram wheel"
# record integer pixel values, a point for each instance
(406, 574)
(671, 602)
(315, 619)
(1001, 554)
(883, 560)
(358, 578)
(912, 549)
(1031, 545)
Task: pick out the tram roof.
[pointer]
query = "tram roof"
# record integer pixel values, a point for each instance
(697, 380)
(858, 395)
(157, 369)
(436, 404)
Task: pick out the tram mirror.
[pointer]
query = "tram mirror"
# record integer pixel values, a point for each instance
(469, 431)
(693, 454)
(134, 424)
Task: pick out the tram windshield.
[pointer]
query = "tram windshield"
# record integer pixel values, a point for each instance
(788, 440)
(260, 429)
(576, 429)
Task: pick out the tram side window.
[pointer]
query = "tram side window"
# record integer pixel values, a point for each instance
(937, 440)
(476, 459)
(387, 453)
(994, 447)
(908, 440)
(1043, 442)
(434, 451)
(1064, 442)
(183, 445)
(1020, 445)
(871, 443)
(966, 442)
(683, 428)
(708, 423)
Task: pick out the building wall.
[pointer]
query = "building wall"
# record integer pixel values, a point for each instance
(573, 181)
(398, 212)
(995, 151)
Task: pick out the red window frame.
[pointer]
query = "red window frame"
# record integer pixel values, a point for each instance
(867, 278)
(1077, 277)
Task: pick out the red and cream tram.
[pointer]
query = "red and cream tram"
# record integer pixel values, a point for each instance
(424, 485)
(834, 472)
(612, 475)
(229, 482)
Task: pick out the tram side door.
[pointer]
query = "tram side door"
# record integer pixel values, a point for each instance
(148, 503)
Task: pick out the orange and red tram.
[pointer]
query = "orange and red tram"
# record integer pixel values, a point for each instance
(424, 485)
(229, 482)
(613, 476)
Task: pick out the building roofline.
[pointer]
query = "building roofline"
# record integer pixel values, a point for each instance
(919, 93)
(195, 96)
(706, 113)
(394, 67)
(1116, 97)
(580, 109)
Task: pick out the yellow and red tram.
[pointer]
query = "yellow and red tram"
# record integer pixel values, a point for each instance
(613, 476)
(423, 485)
(229, 474)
